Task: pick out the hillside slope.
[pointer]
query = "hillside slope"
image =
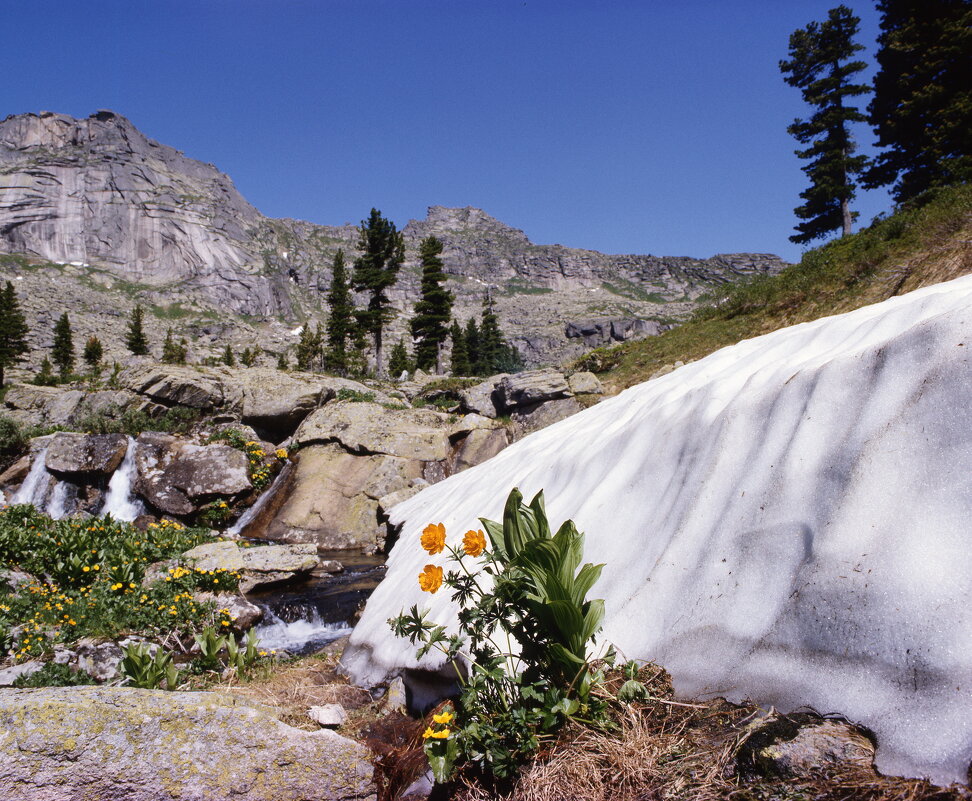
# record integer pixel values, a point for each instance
(914, 247)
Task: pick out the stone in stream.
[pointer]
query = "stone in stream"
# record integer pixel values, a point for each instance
(86, 454)
(124, 744)
(268, 564)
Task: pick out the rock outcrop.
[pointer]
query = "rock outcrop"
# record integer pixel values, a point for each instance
(784, 520)
(108, 744)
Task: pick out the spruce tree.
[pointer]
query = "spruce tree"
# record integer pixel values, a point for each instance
(135, 339)
(228, 358)
(13, 330)
(282, 362)
(922, 105)
(432, 312)
(375, 271)
(170, 350)
(249, 356)
(491, 344)
(472, 346)
(821, 66)
(341, 320)
(460, 356)
(398, 361)
(93, 352)
(45, 376)
(62, 352)
(308, 348)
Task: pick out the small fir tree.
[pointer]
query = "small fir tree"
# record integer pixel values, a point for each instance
(399, 362)
(375, 271)
(491, 344)
(821, 66)
(249, 356)
(45, 376)
(340, 322)
(472, 346)
(308, 348)
(62, 352)
(460, 356)
(170, 349)
(135, 339)
(13, 330)
(432, 312)
(228, 358)
(93, 352)
(282, 362)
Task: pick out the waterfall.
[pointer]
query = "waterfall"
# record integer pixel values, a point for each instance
(57, 505)
(248, 516)
(304, 635)
(35, 486)
(120, 503)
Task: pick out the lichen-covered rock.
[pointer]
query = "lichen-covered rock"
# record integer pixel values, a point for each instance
(530, 388)
(99, 660)
(176, 385)
(268, 564)
(585, 383)
(88, 454)
(369, 428)
(122, 744)
(42, 406)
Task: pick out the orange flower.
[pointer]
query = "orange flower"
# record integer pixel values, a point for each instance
(433, 538)
(430, 579)
(474, 542)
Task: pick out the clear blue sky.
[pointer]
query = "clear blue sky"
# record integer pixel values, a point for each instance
(642, 126)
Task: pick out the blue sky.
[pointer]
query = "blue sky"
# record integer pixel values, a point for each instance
(626, 127)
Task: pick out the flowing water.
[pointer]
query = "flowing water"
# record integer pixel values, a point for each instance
(250, 514)
(302, 618)
(56, 507)
(120, 502)
(36, 485)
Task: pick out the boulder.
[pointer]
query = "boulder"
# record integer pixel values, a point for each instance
(123, 744)
(176, 385)
(17, 472)
(93, 455)
(479, 398)
(9, 675)
(100, 660)
(368, 428)
(528, 419)
(223, 555)
(42, 406)
(334, 498)
(585, 383)
(530, 388)
(244, 614)
(277, 402)
(478, 446)
(803, 746)
(268, 564)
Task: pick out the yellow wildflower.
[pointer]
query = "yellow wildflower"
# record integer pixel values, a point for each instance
(427, 733)
(444, 717)
(474, 542)
(441, 734)
(433, 538)
(430, 579)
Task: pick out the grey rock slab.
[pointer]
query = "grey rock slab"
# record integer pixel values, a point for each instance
(215, 556)
(478, 446)
(480, 398)
(43, 406)
(531, 387)
(368, 428)
(293, 558)
(88, 454)
(528, 419)
(175, 385)
(585, 383)
(123, 744)
(9, 675)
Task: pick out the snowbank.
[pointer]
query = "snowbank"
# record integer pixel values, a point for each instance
(786, 520)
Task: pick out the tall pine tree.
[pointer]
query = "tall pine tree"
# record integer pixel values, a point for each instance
(460, 356)
(821, 66)
(375, 271)
(472, 345)
(922, 105)
(62, 352)
(135, 339)
(341, 320)
(13, 330)
(432, 312)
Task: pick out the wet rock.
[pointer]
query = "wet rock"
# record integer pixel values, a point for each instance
(94, 455)
(804, 745)
(530, 388)
(16, 473)
(118, 743)
(330, 566)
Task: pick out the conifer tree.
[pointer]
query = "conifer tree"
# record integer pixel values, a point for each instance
(341, 319)
(375, 271)
(93, 352)
(282, 362)
(820, 65)
(460, 356)
(170, 350)
(922, 105)
(432, 312)
(398, 361)
(13, 330)
(308, 348)
(491, 344)
(472, 346)
(45, 376)
(249, 355)
(62, 352)
(228, 358)
(135, 339)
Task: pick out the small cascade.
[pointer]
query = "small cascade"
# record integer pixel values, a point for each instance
(57, 505)
(250, 514)
(37, 484)
(120, 502)
(301, 636)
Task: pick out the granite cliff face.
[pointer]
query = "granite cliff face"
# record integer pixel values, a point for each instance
(98, 208)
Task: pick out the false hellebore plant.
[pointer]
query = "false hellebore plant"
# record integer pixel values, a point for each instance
(523, 637)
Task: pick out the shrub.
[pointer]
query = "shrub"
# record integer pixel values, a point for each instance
(513, 697)
(54, 675)
(355, 395)
(12, 440)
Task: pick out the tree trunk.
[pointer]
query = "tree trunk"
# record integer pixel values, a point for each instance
(379, 366)
(438, 358)
(848, 219)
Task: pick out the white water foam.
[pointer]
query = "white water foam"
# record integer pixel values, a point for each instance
(120, 502)
(300, 636)
(35, 486)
